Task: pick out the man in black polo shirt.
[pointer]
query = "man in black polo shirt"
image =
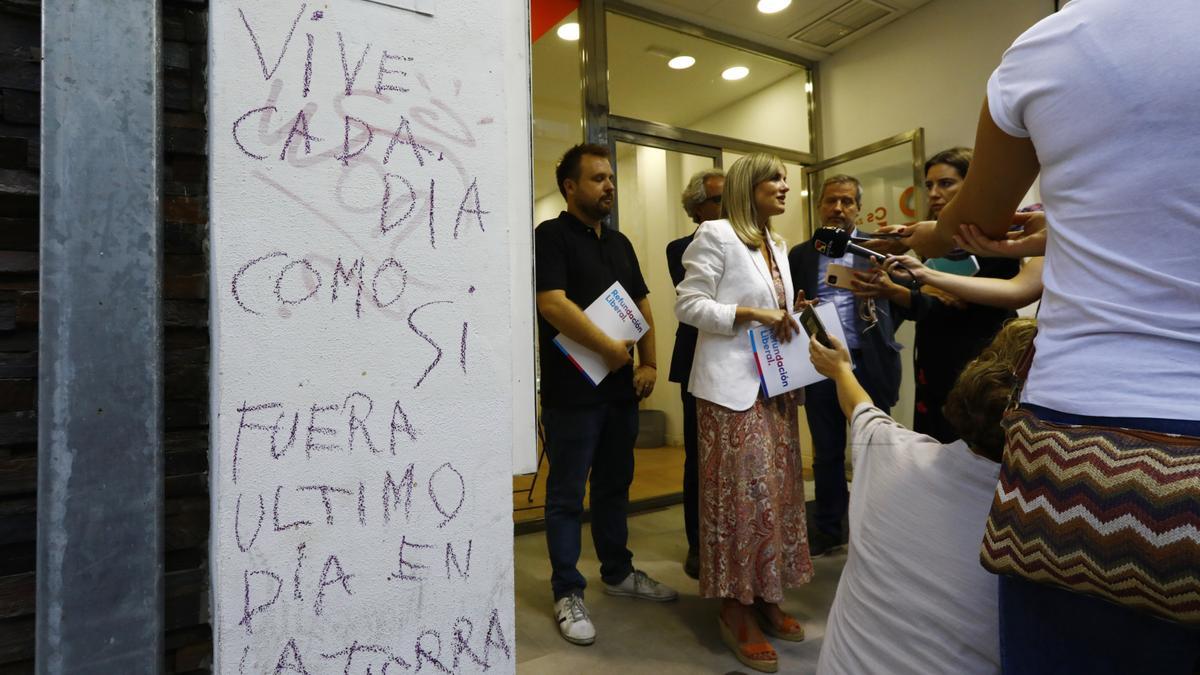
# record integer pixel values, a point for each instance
(589, 427)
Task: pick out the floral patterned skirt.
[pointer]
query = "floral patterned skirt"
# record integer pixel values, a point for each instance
(753, 534)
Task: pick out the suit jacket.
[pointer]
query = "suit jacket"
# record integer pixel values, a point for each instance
(879, 360)
(685, 335)
(722, 273)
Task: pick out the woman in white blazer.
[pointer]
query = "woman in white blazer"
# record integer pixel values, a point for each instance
(753, 540)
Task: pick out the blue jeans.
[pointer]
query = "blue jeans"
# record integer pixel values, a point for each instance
(598, 439)
(828, 427)
(1050, 631)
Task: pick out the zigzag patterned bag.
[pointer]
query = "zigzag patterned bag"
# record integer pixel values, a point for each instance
(1108, 512)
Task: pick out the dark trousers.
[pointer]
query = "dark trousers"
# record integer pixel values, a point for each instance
(597, 439)
(1050, 631)
(933, 386)
(828, 427)
(691, 470)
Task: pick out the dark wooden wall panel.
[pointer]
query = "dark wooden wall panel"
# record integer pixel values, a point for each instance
(20, 87)
(185, 331)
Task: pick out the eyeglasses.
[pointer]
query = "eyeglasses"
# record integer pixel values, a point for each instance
(715, 199)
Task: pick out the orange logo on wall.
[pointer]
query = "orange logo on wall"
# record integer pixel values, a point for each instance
(878, 216)
(906, 203)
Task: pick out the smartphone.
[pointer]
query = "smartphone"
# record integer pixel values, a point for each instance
(813, 326)
(967, 266)
(839, 276)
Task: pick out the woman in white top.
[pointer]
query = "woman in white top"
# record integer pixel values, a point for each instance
(912, 597)
(1102, 98)
(753, 540)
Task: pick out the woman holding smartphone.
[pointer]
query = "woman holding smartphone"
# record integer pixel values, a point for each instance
(753, 538)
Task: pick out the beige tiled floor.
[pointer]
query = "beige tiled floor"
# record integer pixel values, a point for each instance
(644, 637)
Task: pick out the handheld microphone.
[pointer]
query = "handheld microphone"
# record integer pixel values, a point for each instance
(835, 243)
(878, 236)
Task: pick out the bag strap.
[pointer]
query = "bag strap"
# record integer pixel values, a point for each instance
(1020, 373)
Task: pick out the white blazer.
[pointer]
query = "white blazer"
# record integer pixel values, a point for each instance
(722, 273)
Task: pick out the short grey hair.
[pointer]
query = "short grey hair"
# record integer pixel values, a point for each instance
(694, 194)
(843, 179)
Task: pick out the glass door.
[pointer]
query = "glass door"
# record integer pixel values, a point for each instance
(651, 175)
(892, 174)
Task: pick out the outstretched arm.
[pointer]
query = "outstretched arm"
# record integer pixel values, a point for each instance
(1011, 293)
(836, 365)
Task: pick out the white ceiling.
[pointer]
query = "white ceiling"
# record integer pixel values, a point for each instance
(673, 97)
(678, 97)
(741, 19)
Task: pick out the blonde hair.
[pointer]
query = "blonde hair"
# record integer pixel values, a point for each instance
(737, 202)
(976, 404)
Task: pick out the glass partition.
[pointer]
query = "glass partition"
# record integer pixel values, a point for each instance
(557, 110)
(557, 125)
(650, 183)
(891, 175)
(660, 75)
(663, 124)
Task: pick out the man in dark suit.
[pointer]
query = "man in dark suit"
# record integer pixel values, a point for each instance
(702, 201)
(870, 326)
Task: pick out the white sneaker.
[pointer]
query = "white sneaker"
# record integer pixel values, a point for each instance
(639, 585)
(573, 620)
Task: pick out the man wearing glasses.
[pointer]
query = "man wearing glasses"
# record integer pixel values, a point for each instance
(870, 328)
(701, 201)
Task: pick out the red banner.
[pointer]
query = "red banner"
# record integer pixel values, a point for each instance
(543, 14)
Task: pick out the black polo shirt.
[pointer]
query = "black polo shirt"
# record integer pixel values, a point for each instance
(571, 258)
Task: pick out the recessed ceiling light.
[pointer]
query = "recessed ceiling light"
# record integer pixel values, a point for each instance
(772, 6)
(735, 73)
(568, 31)
(681, 62)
